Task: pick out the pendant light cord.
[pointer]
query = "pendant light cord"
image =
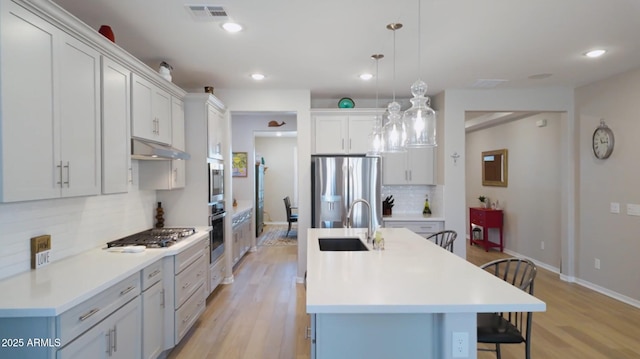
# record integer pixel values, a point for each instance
(394, 65)
(419, 43)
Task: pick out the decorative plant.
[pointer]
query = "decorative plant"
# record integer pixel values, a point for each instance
(482, 199)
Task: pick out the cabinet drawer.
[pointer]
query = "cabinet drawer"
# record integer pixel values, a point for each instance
(217, 273)
(189, 313)
(189, 255)
(477, 217)
(83, 316)
(187, 281)
(420, 227)
(151, 275)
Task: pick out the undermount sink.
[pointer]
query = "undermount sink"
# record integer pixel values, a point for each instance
(345, 244)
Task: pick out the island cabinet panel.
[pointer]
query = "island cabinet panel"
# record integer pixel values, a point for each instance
(403, 335)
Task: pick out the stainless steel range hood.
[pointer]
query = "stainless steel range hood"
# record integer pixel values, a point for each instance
(146, 150)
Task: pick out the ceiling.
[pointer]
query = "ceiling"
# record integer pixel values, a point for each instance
(323, 45)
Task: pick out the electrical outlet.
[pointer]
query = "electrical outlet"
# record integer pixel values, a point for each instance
(615, 207)
(460, 345)
(542, 245)
(597, 263)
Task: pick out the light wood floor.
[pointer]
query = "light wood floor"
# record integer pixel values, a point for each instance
(262, 315)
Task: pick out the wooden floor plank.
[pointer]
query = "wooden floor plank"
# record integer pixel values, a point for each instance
(263, 315)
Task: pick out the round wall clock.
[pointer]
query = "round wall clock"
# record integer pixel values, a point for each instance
(602, 141)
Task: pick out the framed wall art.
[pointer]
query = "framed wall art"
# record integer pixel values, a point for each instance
(239, 165)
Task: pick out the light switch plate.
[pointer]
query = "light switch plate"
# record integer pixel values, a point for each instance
(615, 207)
(633, 209)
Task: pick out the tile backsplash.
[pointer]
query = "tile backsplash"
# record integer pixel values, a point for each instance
(75, 225)
(410, 199)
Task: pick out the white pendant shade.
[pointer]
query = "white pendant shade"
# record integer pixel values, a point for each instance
(393, 133)
(420, 120)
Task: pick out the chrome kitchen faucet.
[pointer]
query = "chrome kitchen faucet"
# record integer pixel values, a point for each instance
(370, 224)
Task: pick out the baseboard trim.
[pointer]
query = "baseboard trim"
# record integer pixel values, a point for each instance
(596, 288)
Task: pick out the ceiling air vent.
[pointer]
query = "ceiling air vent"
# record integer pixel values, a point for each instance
(487, 83)
(208, 12)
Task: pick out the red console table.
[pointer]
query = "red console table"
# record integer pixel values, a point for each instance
(485, 218)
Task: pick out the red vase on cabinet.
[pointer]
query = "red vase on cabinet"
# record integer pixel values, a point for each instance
(106, 31)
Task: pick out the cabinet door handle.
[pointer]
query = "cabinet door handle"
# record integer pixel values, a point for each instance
(130, 175)
(343, 143)
(175, 175)
(186, 285)
(349, 143)
(108, 337)
(154, 273)
(115, 339)
(410, 175)
(162, 299)
(129, 289)
(307, 334)
(85, 316)
(59, 166)
(68, 167)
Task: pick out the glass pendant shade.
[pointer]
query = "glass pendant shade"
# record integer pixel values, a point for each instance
(375, 139)
(394, 134)
(420, 119)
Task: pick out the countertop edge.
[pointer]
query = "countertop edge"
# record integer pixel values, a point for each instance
(150, 256)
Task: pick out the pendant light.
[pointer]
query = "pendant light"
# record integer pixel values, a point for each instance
(393, 132)
(375, 137)
(420, 119)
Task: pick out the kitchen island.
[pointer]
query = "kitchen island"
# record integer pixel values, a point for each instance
(405, 301)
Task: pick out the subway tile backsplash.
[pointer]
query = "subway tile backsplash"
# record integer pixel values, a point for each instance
(75, 225)
(410, 199)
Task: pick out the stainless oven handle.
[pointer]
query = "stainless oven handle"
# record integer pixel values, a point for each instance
(217, 216)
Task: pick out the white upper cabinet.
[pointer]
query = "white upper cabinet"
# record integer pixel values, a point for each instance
(116, 153)
(169, 174)
(151, 111)
(414, 167)
(343, 133)
(49, 119)
(215, 136)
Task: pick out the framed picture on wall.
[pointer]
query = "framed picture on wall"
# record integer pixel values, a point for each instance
(239, 165)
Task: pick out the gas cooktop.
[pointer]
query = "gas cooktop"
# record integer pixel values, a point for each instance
(154, 238)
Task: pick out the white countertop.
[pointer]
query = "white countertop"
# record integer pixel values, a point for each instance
(412, 275)
(242, 206)
(412, 217)
(51, 290)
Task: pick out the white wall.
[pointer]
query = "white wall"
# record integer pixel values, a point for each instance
(531, 202)
(243, 128)
(298, 102)
(75, 224)
(454, 103)
(612, 238)
(279, 177)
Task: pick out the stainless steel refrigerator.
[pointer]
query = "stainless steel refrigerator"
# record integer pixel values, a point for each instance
(336, 181)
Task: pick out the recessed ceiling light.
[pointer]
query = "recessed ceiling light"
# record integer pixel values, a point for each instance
(366, 77)
(257, 77)
(595, 53)
(232, 27)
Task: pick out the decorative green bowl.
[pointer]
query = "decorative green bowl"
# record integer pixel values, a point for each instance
(346, 102)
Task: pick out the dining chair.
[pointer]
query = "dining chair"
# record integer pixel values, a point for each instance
(444, 239)
(291, 217)
(508, 327)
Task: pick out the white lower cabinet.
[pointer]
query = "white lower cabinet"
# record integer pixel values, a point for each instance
(217, 274)
(186, 274)
(423, 228)
(118, 336)
(153, 307)
(242, 235)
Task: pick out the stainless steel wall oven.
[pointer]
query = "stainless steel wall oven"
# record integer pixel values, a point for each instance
(216, 235)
